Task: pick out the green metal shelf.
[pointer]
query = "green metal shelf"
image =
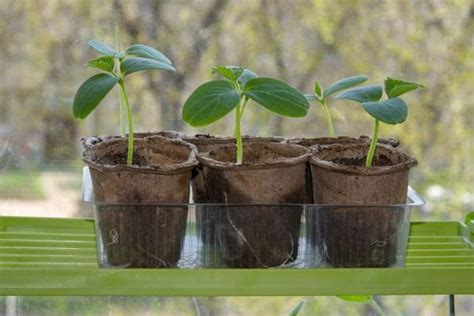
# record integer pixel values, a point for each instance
(52, 256)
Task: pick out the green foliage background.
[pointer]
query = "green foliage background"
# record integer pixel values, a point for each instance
(43, 49)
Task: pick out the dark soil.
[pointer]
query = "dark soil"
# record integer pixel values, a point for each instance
(356, 238)
(143, 158)
(151, 151)
(143, 236)
(342, 140)
(378, 161)
(251, 154)
(258, 236)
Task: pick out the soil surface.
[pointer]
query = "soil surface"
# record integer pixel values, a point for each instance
(353, 157)
(379, 161)
(153, 151)
(141, 157)
(251, 154)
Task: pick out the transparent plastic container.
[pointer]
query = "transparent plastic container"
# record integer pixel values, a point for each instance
(358, 236)
(250, 236)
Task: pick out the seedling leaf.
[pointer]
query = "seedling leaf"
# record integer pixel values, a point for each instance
(132, 65)
(391, 111)
(144, 51)
(105, 63)
(91, 93)
(230, 72)
(246, 75)
(277, 96)
(370, 93)
(102, 48)
(318, 90)
(396, 87)
(344, 84)
(210, 102)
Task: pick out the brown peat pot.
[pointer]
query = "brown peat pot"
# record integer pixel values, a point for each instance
(205, 143)
(365, 236)
(324, 141)
(133, 231)
(257, 235)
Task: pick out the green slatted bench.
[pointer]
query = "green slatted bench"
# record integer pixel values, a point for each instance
(53, 256)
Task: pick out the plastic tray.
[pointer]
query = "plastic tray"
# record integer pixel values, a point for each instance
(52, 256)
(250, 236)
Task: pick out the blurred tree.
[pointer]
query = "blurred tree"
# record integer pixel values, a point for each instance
(44, 47)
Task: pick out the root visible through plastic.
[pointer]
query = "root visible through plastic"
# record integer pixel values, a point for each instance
(241, 235)
(115, 237)
(382, 243)
(151, 255)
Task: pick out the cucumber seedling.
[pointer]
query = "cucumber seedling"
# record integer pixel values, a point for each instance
(215, 99)
(391, 111)
(321, 95)
(115, 66)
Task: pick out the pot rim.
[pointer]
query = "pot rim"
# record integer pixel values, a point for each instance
(408, 162)
(94, 140)
(207, 139)
(171, 169)
(341, 137)
(206, 161)
(327, 140)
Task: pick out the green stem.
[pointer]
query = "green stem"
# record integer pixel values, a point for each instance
(122, 109)
(122, 113)
(243, 107)
(239, 112)
(373, 145)
(328, 118)
(237, 135)
(130, 122)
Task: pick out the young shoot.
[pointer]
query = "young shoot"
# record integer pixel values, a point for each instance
(321, 95)
(215, 99)
(115, 66)
(391, 111)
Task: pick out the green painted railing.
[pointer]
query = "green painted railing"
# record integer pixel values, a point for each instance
(50, 256)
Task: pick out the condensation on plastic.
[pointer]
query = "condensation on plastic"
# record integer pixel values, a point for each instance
(250, 236)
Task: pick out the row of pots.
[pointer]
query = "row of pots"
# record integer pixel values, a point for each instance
(278, 175)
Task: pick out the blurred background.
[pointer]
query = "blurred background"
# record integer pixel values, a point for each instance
(44, 48)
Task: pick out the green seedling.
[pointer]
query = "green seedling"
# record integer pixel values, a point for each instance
(391, 111)
(215, 99)
(322, 95)
(115, 66)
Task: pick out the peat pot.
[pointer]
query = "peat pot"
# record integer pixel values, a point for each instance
(325, 141)
(258, 222)
(205, 143)
(370, 228)
(133, 230)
